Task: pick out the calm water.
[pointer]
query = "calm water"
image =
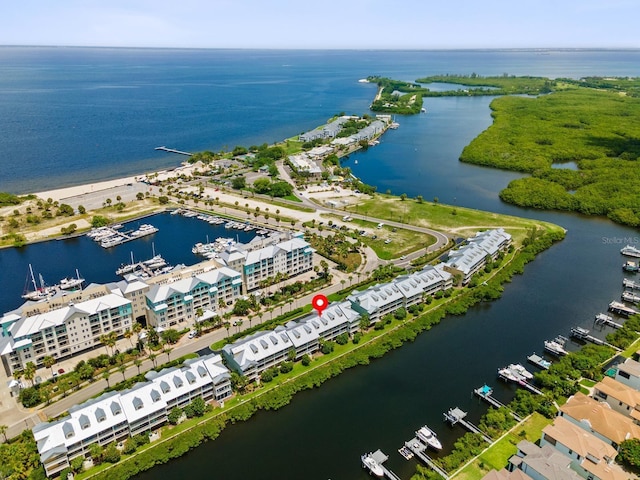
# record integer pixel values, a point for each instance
(212, 99)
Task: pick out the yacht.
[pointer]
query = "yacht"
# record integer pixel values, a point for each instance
(71, 283)
(555, 346)
(428, 437)
(519, 370)
(630, 251)
(370, 464)
(630, 266)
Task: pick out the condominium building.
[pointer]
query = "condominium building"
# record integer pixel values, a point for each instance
(628, 373)
(620, 397)
(252, 355)
(377, 301)
(115, 416)
(470, 258)
(169, 304)
(62, 332)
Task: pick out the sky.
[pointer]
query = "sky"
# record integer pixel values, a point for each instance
(322, 24)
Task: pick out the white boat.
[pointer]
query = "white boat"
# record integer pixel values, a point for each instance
(631, 297)
(555, 347)
(539, 361)
(370, 464)
(145, 229)
(429, 438)
(39, 292)
(630, 251)
(508, 374)
(519, 370)
(71, 283)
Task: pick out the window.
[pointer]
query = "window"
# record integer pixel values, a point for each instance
(623, 374)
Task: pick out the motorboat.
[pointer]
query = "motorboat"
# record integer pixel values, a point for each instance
(429, 438)
(370, 464)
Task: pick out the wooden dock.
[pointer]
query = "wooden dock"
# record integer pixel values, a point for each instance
(380, 458)
(173, 150)
(604, 319)
(455, 415)
(486, 393)
(419, 450)
(583, 334)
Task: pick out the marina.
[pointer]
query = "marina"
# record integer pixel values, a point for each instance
(517, 374)
(621, 309)
(419, 449)
(374, 463)
(584, 335)
(108, 237)
(539, 361)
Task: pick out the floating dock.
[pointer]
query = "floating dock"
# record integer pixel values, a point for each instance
(173, 150)
(455, 415)
(379, 457)
(604, 319)
(539, 361)
(486, 393)
(622, 309)
(419, 450)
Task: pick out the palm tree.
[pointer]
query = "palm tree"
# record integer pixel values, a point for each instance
(167, 349)
(199, 314)
(261, 314)
(249, 317)
(48, 362)
(30, 372)
(106, 376)
(137, 328)
(123, 368)
(137, 362)
(227, 325)
(238, 325)
(128, 334)
(104, 340)
(350, 279)
(152, 357)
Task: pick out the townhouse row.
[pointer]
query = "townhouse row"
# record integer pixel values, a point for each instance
(252, 355)
(116, 416)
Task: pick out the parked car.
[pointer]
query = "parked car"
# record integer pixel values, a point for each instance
(192, 334)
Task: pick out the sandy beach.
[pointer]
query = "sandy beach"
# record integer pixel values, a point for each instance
(61, 193)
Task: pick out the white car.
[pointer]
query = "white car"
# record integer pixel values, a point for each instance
(403, 257)
(192, 334)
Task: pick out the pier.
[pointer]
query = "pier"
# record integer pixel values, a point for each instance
(583, 334)
(486, 393)
(419, 450)
(539, 361)
(604, 319)
(173, 150)
(455, 415)
(379, 457)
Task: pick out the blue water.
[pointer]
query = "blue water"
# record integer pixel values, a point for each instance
(73, 115)
(102, 111)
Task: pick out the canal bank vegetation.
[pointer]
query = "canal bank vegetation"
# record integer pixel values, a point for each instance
(396, 96)
(498, 85)
(581, 148)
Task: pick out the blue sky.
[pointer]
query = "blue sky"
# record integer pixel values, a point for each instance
(333, 24)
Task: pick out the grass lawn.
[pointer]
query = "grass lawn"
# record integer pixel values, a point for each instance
(459, 220)
(496, 456)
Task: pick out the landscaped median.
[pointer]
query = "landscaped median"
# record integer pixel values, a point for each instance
(374, 344)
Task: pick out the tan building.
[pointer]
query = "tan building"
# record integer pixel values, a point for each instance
(620, 397)
(591, 457)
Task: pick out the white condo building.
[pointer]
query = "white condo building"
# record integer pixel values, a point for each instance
(115, 416)
(62, 332)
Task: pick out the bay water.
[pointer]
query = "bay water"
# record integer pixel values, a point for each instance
(76, 115)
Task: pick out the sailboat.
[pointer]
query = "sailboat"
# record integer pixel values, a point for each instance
(71, 283)
(127, 267)
(38, 293)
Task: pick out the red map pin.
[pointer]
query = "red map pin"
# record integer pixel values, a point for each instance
(319, 302)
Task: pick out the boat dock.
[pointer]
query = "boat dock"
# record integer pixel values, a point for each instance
(380, 458)
(486, 393)
(604, 319)
(173, 150)
(455, 415)
(630, 297)
(630, 284)
(622, 309)
(583, 334)
(419, 449)
(519, 381)
(539, 361)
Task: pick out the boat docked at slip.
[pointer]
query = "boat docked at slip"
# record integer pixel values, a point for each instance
(71, 283)
(539, 361)
(520, 371)
(41, 292)
(556, 346)
(630, 266)
(631, 297)
(630, 251)
(370, 464)
(429, 438)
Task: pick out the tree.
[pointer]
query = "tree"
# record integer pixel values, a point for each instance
(262, 185)
(163, 199)
(238, 183)
(420, 199)
(227, 325)
(86, 371)
(49, 362)
(128, 334)
(306, 360)
(81, 209)
(106, 374)
(30, 372)
(138, 363)
(122, 369)
(3, 431)
(152, 357)
(241, 307)
(170, 335)
(365, 322)
(167, 351)
(174, 415)
(95, 451)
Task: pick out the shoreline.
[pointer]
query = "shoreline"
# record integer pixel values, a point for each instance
(59, 194)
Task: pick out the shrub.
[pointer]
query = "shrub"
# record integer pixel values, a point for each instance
(342, 339)
(111, 454)
(174, 415)
(286, 367)
(306, 360)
